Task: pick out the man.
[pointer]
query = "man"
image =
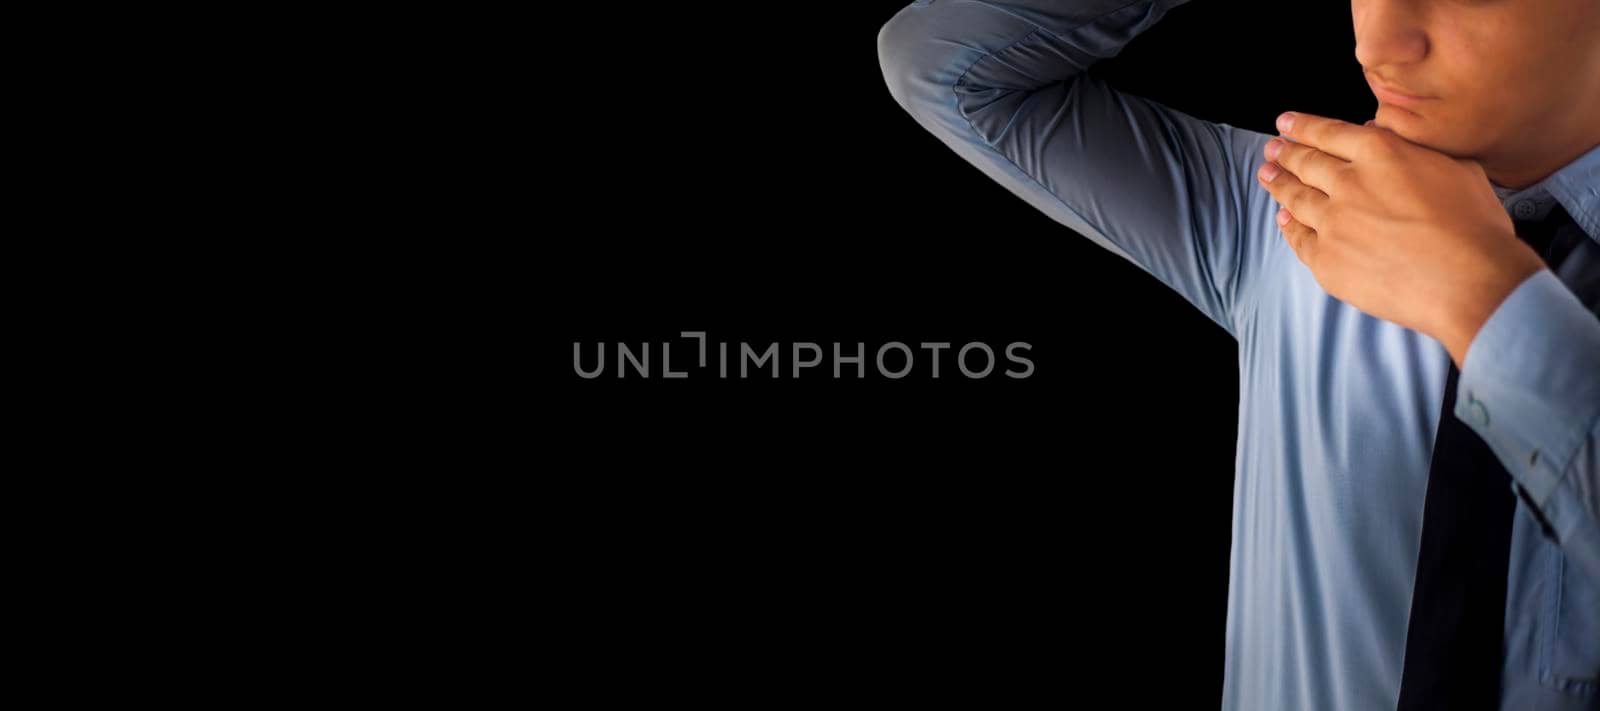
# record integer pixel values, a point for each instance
(1415, 305)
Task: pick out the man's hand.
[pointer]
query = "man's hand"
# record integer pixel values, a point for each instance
(1400, 231)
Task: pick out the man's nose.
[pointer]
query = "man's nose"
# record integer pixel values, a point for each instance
(1388, 32)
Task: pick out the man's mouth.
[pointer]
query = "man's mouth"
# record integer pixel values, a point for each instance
(1395, 95)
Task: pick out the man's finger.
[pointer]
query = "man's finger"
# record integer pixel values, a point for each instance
(1331, 136)
(1301, 239)
(1307, 203)
(1311, 166)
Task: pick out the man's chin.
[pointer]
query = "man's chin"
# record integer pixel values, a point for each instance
(1403, 123)
(1430, 140)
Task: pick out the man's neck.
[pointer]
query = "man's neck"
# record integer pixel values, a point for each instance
(1525, 165)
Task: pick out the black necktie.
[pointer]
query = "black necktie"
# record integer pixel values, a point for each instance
(1455, 640)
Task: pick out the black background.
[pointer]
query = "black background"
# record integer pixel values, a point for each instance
(741, 169)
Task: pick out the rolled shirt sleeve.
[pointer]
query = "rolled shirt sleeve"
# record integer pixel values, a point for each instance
(1530, 387)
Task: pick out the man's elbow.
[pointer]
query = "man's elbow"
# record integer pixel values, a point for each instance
(905, 58)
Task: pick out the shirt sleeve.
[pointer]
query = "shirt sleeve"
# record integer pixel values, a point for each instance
(1004, 85)
(1530, 387)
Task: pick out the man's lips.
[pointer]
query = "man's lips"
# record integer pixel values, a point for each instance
(1395, 96)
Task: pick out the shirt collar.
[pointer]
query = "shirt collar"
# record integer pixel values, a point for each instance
(1576, 186)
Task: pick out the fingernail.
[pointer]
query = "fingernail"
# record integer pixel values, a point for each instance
(1283, 216)
(1286, 122)
(1273, 147)
(1269, 171)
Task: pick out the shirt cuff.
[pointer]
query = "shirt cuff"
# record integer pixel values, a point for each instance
(1530, 382)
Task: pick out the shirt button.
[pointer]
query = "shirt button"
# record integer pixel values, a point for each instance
(1524, 209)
(1476, 410)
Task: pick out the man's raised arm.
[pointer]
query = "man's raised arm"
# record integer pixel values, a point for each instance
(1004, 84)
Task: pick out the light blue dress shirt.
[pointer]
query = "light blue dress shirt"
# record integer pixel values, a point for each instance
(1338, 409)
